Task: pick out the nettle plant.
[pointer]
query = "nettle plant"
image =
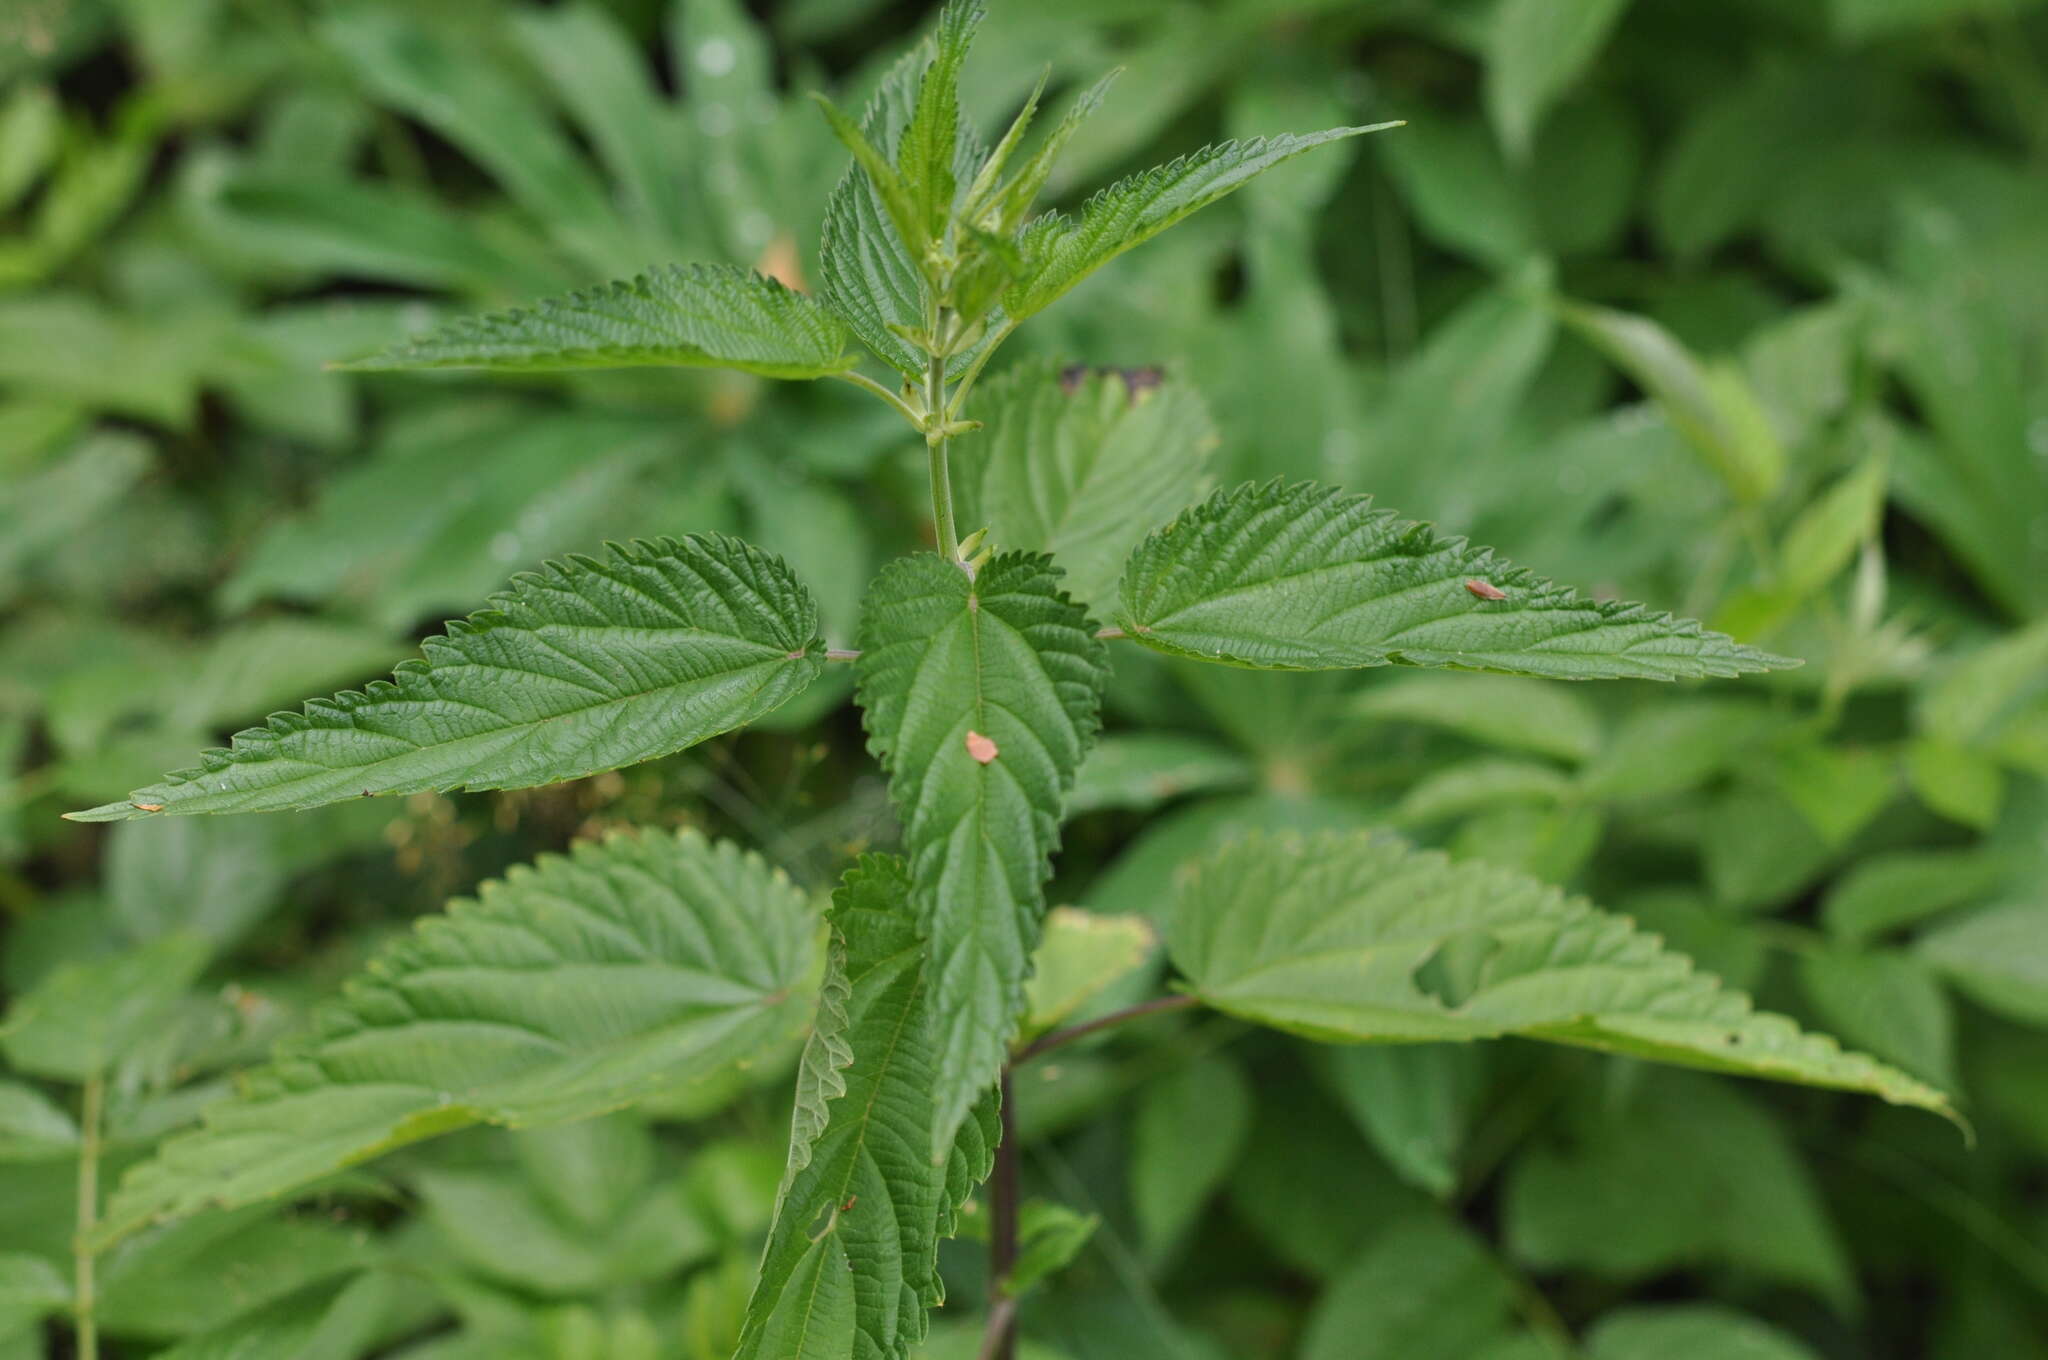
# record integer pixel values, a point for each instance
(653, 960)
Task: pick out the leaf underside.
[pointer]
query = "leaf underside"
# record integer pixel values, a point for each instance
(690, 316)
(1362, 938)
(625, 968)
(581, 667)
(851, 1262)
(1007, 657)
(1309, 577)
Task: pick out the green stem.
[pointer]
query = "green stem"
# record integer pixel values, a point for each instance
(867, 384)
(974, 370)
(88, 1332)
(935, 437)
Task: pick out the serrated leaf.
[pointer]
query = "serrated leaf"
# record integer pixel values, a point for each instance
(851, 1267)
(1081, 465)
(1361, 938)
(575, 986)
(1006, 657)
(581, 667)
(868, 275)
(1061, 251)
(927, 151)
(683, 316)
(1308, 577)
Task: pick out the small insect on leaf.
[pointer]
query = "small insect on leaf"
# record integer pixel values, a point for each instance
(847, 1207)
(981, 748)
(149, 807)
(1486, 590)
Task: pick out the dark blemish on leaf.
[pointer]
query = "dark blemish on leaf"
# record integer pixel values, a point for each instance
(1137, 381)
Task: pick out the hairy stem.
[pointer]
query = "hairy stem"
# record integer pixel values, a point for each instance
(867, 384)
(935, 437)
(999, 1336)
(88, 1331)
(1060, 1038)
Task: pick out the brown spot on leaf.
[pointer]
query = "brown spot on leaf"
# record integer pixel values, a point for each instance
(1486, 590)
(981, 748)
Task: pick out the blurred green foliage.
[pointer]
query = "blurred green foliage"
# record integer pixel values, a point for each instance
(1741, 309)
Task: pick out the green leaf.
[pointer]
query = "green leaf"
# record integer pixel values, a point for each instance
(868, 275)
(1060, 251)
(851, 1262)
(1961, 784)
(32, 1127)
(1535, 50)
(1308, 577)
(30, 1289)
(1424, 1286)
(1140, 770)
(1081, 956)
(1081, 466)
(1689, 1332)
(1190, 1127)
(684, 316)
(928, 149)
(588, 981)
(1712, 406)
(1826, 534)
(214, 878)
(1506, 711)
(321, 1322)
(1049, 1237)
(1884, 892)
(1414, 1102)
(981, 697)
(1690, 1173)
(1361, 938)
(86, 1015)
(581, 667)
(1997, 956)
(1890, 1003)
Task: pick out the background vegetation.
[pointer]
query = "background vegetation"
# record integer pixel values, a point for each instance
(1738, 309)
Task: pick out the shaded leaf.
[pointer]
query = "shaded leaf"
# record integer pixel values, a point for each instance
(850, 1267)
(1191, 1125)
(1081, 956)
(1081, 466)
(578, 985)
(1364, 939)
